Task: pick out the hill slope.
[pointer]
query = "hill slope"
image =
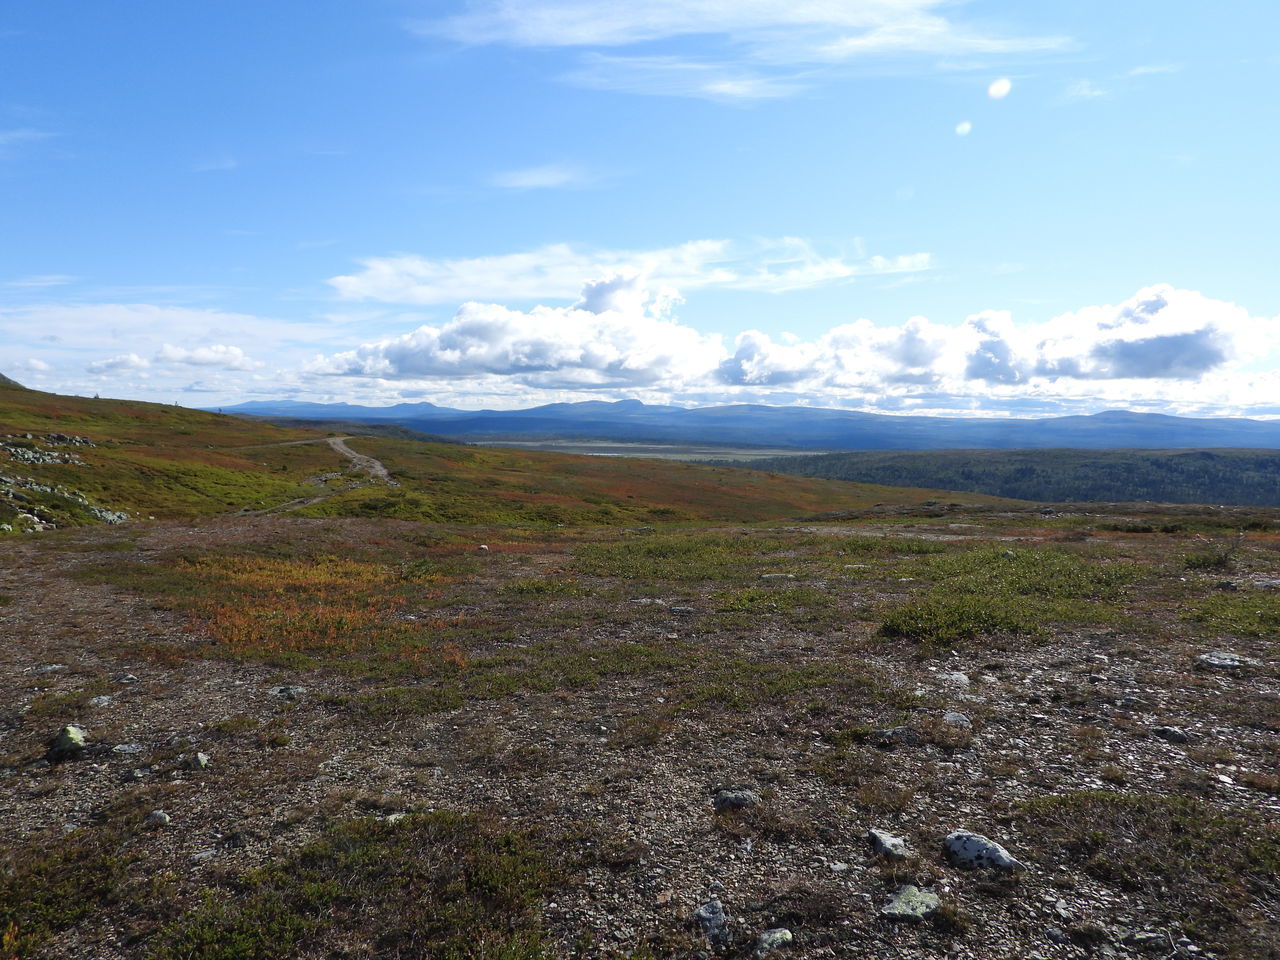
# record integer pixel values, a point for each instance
(64, 457)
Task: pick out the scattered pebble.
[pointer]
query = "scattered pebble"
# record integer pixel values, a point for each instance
(157, 818)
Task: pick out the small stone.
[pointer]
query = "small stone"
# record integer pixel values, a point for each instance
(69, 743)
(157, 818)
(911, 904)
(1171, 734)
(955, 678)
(884, 844)
(127, 749)
(715, 925)
(1148, 941)
(1225, 660)
(954, 719)
(777, 576)
(483, 548)
(972, 851)
(774, 939)
(126, 678)
(734, 798)
(203, 856)
(198, 761)
(1226, 585)
(100, 701)
(683, 611)
(287, 692)
(900, 736)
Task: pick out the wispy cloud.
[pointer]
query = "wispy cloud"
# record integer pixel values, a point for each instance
(42, 280)
(758, 44)
(219, 164)
(558, 271)
(679, 77)
(540, 178)
(12, 139)
(1154, 68)
(1086, 90)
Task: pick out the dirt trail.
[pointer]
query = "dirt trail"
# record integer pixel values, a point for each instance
(359, 461)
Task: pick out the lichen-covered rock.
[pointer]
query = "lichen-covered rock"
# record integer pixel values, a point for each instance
(774, 939)
(715, 924)
(734, 798)
(1224, 660)
(70, 742)
(885, 844)
(972, 851)
(911, 904)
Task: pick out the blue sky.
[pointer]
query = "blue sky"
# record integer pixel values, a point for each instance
(891, 205)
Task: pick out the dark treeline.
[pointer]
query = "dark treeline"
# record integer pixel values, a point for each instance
(1244, 477)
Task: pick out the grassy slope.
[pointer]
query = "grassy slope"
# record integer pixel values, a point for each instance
(166, 461)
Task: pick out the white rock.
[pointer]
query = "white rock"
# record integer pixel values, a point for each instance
(972, 851)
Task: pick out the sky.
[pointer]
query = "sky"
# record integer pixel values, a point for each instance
(899, 206)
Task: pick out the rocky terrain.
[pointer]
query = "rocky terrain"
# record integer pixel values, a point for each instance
(898, 732)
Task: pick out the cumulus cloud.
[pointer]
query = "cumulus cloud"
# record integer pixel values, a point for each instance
(215, 355)
(117, 364)
(1162, 345)
(558, 271)
(613, 336)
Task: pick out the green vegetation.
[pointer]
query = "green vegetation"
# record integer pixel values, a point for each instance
(1058, 476)
(995, 591)
(441, 885)
(1208, 868)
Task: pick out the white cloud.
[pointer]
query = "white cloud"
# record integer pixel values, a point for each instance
(875, 24)
(16, 137)
(43, 280)
(123, 362)
(33, 363)
(214, 355)
(756, 38)
(680, 77)
(559, 270)
(615, 335)
(535, 178)
(999, 89)
(1086, 90)
(1162, 347)
(964, 128)
(218, 164)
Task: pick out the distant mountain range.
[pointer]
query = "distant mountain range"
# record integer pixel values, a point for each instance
(804, 428)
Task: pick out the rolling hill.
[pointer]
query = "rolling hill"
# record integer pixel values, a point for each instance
(795, 427)
(67, 459)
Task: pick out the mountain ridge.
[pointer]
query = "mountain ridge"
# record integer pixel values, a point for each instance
(797, 427)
